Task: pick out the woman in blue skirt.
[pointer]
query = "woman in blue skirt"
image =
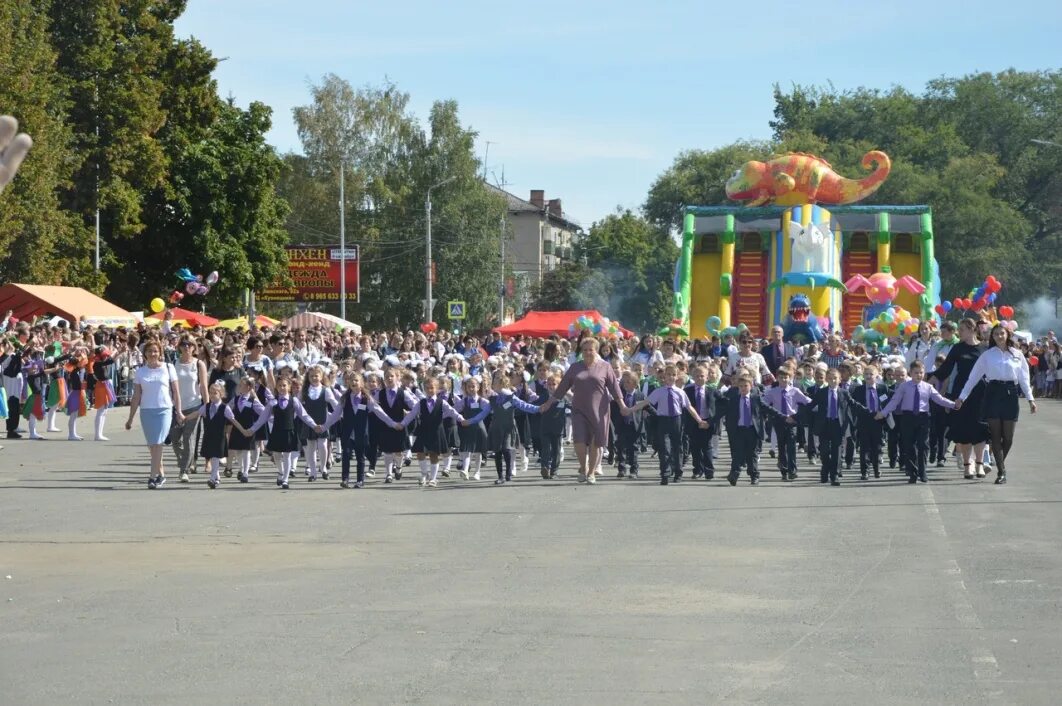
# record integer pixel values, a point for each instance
(156, 395)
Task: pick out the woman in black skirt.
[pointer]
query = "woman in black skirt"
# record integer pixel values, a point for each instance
(1005, 371)
(966, 428)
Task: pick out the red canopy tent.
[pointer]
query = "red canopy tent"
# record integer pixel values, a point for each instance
(192, 317)
(546, 323)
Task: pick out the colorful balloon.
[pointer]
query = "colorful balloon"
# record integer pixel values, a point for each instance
(157, 305)
(1033, 361)
(212, 278)
(1007, 312)
(947, 306)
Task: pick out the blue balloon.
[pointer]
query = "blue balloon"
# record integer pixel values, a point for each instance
(992, 298)
(713, 323)
(946, 305)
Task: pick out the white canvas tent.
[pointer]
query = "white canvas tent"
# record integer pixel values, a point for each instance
(310, 319)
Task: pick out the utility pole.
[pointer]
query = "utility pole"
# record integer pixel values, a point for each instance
(342, 243)
(501, 289)
(427, 265)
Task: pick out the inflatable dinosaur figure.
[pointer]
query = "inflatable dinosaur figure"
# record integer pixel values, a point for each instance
(800, 326)
(800, 178)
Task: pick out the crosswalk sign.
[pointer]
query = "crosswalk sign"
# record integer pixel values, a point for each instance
(455, 310)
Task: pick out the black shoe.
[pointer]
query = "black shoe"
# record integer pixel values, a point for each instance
(863, 476)
(676, 479)
(151, 483)
(835, 482)
(793, 475)
(663, 480)
(360, 484)
(892, 464)
(785, 477)
(311, 479)
(388, 479)
(633, 475)
(406, 462)
(877, 473)
(732, 480)
(940, 463)
(754, 481)
(823, 480)
(697, 475)
(552, 475)
(621, 474)
(324, 475)
(912, 480)
(284, 486)
(279, 482)
(228, 472)
(344, 484)
(398, 474)
(1001, 479)
(160, 481)
(242, 477)
(773, 454)
(922, 478)
(709, 476)
(13, 435)
(500, 481)
(211, 483)
(840, 474)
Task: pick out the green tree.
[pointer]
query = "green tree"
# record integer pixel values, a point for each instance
(573, 286)
(636, 256)
(40, 242)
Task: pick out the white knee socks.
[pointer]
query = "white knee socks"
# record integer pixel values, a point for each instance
(245, 462)
(71, 426)
(50, 417)
(287, 461)
(101, 418)
(434, 473)
(214, 466)
(424, 469)
(33, 428)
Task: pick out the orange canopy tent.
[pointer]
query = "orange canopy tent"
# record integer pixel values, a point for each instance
(28, 301)
(191, 317)
(540, 324)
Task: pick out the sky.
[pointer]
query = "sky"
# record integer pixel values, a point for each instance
(591, 101)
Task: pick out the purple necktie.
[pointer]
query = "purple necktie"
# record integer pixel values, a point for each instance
(832, 413)
(746, 412)
(872, 399)
(390, 397)
(671, 406)
(918, 398)
(431, 406)
(282, 403)
(700, 406)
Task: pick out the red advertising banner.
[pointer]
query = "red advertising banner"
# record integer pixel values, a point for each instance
(314, 272)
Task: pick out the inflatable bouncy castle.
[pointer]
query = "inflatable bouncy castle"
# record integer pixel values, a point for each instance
(785, 260)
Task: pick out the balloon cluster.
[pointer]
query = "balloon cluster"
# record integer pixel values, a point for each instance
(714, 322)
(894, 321)
(975, 300)
(429, 327)
(603, 327)
(194, 285)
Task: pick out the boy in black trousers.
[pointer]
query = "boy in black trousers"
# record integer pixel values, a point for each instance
(703, 399)
(745, 414)
(833, 411)
(867, 400)
(550, 429)
(670, 403)
(627, 429)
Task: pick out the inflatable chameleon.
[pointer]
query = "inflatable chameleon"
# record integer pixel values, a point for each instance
(800, 178)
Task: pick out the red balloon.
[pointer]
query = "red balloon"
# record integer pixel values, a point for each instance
(1007, 312)
(1034, 361)
(425, 328)
(957, 302)
(979, 304)
(967, 304)
(939, 309)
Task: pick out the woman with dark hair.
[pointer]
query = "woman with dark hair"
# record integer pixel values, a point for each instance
(157, 396)
(1005, 371)
(646, 353)
(966, 428)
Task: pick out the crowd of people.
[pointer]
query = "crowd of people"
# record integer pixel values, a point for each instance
(373, 404)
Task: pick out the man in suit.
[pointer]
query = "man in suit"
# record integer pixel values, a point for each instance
(911, 399)
(833, 410)
(702, 398)
(745, 413)
(776, 351)
(867, 400)
(628, 429)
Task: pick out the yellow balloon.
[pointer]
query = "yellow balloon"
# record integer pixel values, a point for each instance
(157, 305)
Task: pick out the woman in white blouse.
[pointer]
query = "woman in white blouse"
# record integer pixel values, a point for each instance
(159, 399)
(1005, 371)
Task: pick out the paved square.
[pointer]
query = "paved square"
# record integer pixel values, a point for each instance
(536, 592)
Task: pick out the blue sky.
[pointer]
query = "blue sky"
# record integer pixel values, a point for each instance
(591, 101)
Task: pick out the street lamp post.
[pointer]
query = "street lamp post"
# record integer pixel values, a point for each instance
(427, 264)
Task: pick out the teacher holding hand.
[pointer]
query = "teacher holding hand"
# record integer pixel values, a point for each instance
(157, 396)
(593, 384)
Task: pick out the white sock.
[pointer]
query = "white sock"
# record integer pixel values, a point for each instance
(214, 466)
(256, 453)
(245, 461)
(51, 419)
(33, 428)
(101, 418)
(434, 472)
(449, 460)
(309, 452)
(424, 468)
(479, 463)
(71, 426)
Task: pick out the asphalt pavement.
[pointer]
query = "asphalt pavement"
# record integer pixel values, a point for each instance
(874, 592)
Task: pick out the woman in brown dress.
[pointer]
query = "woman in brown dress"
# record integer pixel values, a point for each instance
(593, 384)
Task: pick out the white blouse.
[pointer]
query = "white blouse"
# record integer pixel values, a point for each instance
(996, 364)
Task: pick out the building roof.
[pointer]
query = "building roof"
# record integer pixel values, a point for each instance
(519, 205)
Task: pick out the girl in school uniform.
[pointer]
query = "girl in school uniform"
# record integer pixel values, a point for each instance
(431, 441)
(214, 445)
(502, 434)
(446, 393)
(318, 401)
(103, 397)
(472, 438)
(393, 443)
(283, 412)
(355, 423)
(245, 410)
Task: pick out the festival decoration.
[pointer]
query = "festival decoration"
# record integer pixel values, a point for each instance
(176, 297)
(895, 321)
(197, 285)
(603, 327)
(1006, 312)
(157, 305)
(808, 264)
(1033, 361)
(799, 325)
(799, 178)
(882, 287)
(429, 327)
